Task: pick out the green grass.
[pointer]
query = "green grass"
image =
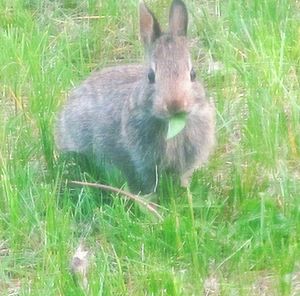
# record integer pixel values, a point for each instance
(240, 226)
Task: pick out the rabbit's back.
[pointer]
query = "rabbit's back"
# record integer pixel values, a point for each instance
(91, 116)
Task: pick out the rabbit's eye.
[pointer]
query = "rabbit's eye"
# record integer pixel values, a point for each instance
(193, 75)
(151, 76)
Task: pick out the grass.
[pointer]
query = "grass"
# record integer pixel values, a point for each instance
(238, 232)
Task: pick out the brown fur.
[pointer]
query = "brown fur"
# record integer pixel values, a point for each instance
(120, 115)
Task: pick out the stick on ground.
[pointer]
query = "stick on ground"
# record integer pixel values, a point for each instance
(148, 205)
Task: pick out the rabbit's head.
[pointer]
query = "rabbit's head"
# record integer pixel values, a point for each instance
(170, 71)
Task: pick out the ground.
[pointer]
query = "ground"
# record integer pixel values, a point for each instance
(238, 230)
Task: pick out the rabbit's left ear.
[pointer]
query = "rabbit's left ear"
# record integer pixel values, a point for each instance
(178, 19)
(149, 26)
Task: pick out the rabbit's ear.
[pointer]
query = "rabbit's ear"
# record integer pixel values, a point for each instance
(149, 26)
(178, 19)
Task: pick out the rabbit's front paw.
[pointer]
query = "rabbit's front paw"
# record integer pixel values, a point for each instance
(185, 179)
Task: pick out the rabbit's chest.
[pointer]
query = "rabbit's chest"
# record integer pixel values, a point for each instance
(179, 154)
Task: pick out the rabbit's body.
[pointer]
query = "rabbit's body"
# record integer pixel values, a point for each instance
(121, 115)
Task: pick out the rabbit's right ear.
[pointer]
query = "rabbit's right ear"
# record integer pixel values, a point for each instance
(178, 19)
(149, 26)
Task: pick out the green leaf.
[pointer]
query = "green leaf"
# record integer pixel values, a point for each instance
(176, 125)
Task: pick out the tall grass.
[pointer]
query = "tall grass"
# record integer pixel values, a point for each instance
(238, 230)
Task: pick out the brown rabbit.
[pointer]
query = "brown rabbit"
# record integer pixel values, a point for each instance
(121, 114)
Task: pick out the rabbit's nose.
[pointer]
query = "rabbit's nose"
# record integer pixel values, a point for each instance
(177, 106)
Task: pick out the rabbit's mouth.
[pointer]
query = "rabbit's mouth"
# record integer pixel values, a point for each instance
(168, 112)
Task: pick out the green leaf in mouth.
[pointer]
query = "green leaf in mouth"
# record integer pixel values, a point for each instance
(176, 125)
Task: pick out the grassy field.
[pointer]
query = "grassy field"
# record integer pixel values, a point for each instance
(237, 233)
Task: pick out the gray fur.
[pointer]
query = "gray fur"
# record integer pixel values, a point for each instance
(118, 115)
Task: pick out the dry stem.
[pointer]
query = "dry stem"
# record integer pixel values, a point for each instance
(149, 206)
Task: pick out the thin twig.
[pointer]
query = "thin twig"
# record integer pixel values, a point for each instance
(89, 17)
(149, 206)
(80, 18)
(18, 104)
(234, 253)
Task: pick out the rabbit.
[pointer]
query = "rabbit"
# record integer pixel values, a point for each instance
(121, 114)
